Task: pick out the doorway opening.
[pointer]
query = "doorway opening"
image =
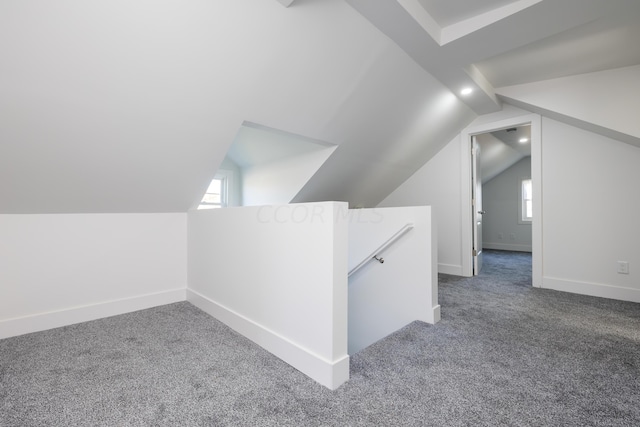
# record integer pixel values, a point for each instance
(501, 191)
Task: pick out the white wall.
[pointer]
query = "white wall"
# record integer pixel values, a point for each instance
(57, 270)
(437, 184)
(161, 104)
(500, 200)
(278, 182)
(278, 275)
(386, 297)
(611, 102)
(590, 203)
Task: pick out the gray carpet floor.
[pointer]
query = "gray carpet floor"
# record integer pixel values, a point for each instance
(503, 354)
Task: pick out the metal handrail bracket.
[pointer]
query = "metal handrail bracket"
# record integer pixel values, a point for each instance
(385, 245)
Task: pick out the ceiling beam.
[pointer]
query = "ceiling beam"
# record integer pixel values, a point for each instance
(397, 23)
(411, 27)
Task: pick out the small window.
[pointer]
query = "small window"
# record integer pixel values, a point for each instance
(526, 201)
(216, 195)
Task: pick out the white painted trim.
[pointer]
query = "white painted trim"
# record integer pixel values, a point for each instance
(467, 26)
(329, 373)
(443, 35)
(592, 289)
(537, 268)
(466, 212)
(436, 314)
(423, 18)
(536, 175)
(506, 247)
(69, 316)
(455, 270)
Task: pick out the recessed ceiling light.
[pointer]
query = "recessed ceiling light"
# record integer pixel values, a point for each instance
(466, 91)
(523, 140)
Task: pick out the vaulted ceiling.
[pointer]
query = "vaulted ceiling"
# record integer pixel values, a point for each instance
(131, 106)
(488, 44)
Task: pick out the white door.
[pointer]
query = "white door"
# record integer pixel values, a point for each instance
(476, 205)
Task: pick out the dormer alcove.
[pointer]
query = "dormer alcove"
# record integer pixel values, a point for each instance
(265, 166)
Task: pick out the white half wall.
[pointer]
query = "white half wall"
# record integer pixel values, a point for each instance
(277, 275)
(56, 270)
(500, 200)
(437, 184)
(384, 297)
(590, 206)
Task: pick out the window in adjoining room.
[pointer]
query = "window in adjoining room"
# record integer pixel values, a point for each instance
(526, 202)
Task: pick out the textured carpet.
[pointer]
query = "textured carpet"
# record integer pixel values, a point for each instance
(503, 354)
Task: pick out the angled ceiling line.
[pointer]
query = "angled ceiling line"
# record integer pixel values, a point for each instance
(396, 22)
(286, 3)
(473, 24)
(424, 18)
(258, 145)
(448, 33)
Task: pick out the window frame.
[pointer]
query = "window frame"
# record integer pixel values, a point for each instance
(522, 218)
(224, 177)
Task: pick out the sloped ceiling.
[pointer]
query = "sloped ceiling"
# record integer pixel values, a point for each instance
(130, 106)
(607, 42)
(259, 145)
(446, 12)
(509, 42)
(606, 102)
(506, 50)
(274, 165)
(502, 149)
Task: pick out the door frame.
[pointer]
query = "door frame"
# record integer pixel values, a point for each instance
(466, 225)
(476, 208)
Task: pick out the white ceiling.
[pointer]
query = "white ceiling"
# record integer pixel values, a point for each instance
(258, 145)
(544, 40)
(605, 43)
(447, 12)
(121, 106)
(502, 43)
(495, 156)
(501, 149)
(518, 138)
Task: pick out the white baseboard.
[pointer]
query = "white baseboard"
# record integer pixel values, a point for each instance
(55, 319)
(431, 316)
(507, 247)
(330, 374)
(592, 289)
(455, 270)
(435, 314)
